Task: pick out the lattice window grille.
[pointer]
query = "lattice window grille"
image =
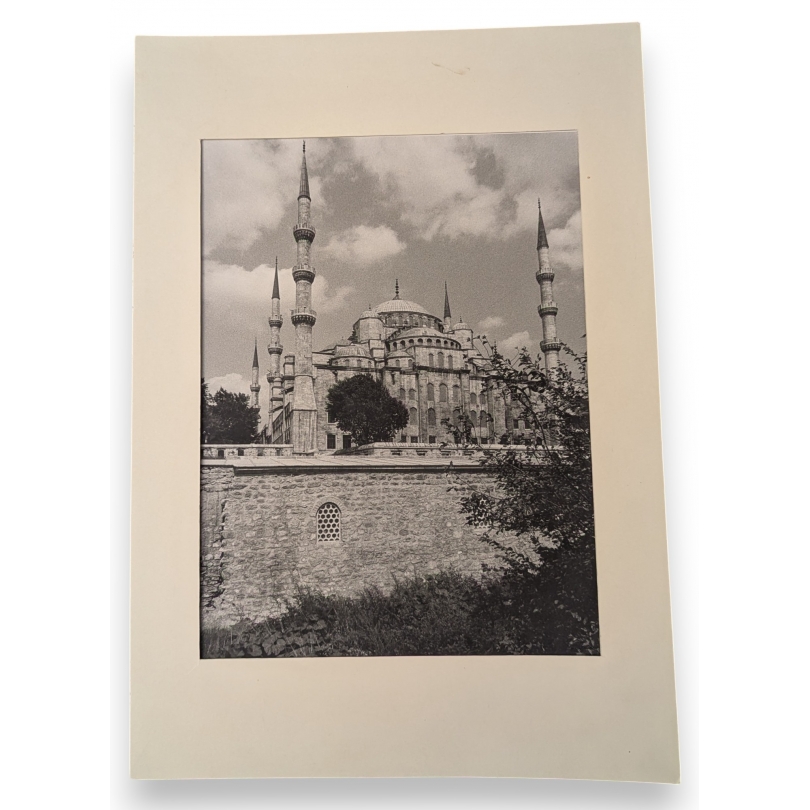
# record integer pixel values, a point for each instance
(328, 520)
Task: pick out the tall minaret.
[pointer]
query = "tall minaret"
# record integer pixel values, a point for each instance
(275, 349)
(303, 318)
(547, 309)
(448, 318)
(254, 377)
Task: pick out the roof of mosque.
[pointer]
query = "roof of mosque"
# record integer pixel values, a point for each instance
(400, 305)
(422, 331)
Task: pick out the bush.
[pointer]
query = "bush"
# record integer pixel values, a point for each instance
(440, 614)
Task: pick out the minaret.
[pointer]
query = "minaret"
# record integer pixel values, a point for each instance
(303, 318)
(274, 349)
(547, 309)
(254, 377)
(448, 319)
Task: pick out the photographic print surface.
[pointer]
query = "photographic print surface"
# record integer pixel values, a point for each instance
(395, 435)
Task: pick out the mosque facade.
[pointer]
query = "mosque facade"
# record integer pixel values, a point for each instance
(428, 362)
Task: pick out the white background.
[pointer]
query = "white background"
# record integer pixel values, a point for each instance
(726, 88)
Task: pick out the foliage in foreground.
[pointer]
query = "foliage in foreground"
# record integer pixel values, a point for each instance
(440, 614)
(543, 493)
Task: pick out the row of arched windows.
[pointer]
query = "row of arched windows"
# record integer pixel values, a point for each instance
(479, 421)
(404, 344)
(431, 393)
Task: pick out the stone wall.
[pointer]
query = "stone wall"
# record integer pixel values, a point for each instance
(259, 540)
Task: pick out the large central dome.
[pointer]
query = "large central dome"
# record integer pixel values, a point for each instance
(399, 305)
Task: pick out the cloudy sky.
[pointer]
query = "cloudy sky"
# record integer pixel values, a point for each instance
(423, 209)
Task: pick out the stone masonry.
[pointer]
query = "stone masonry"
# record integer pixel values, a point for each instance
(260, 544)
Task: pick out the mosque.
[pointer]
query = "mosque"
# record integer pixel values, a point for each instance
(302, 514)
(430, 363)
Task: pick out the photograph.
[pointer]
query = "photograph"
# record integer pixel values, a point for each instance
(395, 427)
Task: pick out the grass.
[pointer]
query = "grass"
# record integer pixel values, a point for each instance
(439, 614)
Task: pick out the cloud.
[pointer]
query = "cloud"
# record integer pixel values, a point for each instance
(514, 343)
(364, 245)
(231, 285)
(433, 181)
(248, 187)
(491, 322)
(235, 383)
(565, 244)
(485, 186)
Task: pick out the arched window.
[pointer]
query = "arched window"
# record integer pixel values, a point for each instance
(473, 416)
(449, 361)
(442, 393)
(402, 394)
(413, 417)
(430, 392)
(328, 522)
(430, 359)
(412, 394)
(456, 393)
(431, 418)
(473, 398)
(483, 420)
(441, 359)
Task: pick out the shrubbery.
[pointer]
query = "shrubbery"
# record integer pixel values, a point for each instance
(440, 614)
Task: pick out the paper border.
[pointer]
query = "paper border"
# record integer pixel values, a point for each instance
(607, 717)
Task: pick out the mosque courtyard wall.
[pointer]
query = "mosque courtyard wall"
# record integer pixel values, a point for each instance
(271, 526)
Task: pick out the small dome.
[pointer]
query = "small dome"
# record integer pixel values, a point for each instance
(351, 350)
(398, 305)
(369, 313)
(461, 325)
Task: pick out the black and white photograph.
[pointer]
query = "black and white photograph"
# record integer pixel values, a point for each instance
(395, 432)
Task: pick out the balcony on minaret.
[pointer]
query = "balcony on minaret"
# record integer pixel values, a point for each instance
(303, 315)
(547, 309)
(300, 273)
(303, 230)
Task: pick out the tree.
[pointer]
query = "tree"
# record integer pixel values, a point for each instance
(460, 427)
(228, 418)
(543, 496)
(363, 407)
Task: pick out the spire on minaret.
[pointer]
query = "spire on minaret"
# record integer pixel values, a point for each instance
(254, 377)
(542, 241)
(447, 315)
(275, 283)
(304, 188)
(396, 290)
(547, 310)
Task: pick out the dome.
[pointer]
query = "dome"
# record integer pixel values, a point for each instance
(369, 313)
(420, 331)
(351, 350)
(398, 305)
(461, 325)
